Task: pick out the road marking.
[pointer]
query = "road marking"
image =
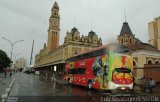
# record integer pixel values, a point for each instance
(10, 85)
(4, 97)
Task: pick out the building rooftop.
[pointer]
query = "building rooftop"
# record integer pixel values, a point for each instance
(143, 46)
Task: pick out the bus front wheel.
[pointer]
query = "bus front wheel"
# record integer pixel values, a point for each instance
(89, 85)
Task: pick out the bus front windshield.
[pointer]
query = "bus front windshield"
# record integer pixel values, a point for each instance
(122, 76)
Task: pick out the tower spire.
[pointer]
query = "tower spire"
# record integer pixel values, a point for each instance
(55, 5)
(91, 23)
(124, 15)
(74, 21)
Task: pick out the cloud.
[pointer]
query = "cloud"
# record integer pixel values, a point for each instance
(28, 20)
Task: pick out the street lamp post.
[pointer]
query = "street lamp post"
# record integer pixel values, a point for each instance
(12, 44)
(15, 63)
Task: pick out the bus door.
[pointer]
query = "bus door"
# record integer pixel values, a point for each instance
(105, 74)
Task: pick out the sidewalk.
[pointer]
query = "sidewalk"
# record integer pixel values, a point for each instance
(59, 79)
(5, 85)
(155, 91)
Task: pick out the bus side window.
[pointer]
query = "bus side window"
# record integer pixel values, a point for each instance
(82, 56)
(94, 70)
(65, 72)
(81, 70)
(78, 57)
(76, 71)
(69, 71)
(87, 55)
(92, 54)
(106, 52)
(100, 52)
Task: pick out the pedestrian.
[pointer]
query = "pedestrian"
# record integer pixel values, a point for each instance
(152, 82)
(143, 83)
(10, 72)
(53, 77)
(143, 80)
(134, 82)
(5, 72)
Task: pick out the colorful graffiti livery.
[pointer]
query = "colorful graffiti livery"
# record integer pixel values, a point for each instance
(107, 67)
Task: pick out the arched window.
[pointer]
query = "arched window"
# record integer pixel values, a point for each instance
(149, 62)
(76, 52)
(157, 62)
(130, 41)
(126, 42)
(121, 41)
(134, 63)
(76, 38)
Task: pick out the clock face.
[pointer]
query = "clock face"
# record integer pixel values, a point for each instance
(55, 22)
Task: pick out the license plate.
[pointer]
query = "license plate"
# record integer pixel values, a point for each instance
(123, 88)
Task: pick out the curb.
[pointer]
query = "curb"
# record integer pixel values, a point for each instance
(8, 90)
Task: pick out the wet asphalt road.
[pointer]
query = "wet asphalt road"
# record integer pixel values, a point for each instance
(30, 88)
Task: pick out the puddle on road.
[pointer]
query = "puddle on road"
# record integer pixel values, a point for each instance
(3, 83)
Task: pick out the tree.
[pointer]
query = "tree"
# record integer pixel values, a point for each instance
(4, 59)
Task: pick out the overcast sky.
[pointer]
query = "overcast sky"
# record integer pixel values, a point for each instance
(28, 20)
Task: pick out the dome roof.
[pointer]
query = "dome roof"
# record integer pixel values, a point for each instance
(91, 33)
(74, 30)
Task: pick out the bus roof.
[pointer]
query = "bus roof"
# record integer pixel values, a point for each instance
(104, 46)
(98, 48)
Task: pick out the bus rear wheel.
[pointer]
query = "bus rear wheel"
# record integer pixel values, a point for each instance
(89, 85)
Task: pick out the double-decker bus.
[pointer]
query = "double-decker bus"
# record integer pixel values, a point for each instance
(107, 67)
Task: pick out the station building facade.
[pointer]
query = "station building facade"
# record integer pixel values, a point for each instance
(142, 53)
(53, 54)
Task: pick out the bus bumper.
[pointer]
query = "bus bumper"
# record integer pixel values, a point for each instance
(113, 86)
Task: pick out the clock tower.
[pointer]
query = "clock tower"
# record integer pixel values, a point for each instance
(54, 28)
